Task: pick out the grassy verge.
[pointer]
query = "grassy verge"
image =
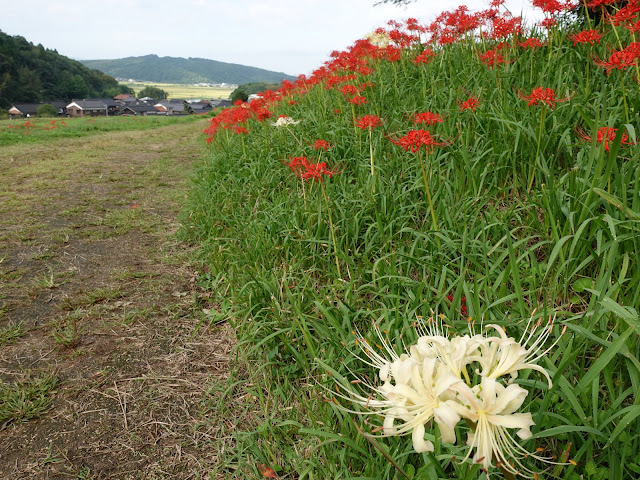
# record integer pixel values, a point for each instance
(511, 207)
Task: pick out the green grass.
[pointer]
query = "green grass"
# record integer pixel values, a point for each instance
(24, 400)
(515, 211)
(11, 332)
(37, 130)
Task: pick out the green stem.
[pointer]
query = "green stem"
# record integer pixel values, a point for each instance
(428, 192)
(535, 161)
(333, 235)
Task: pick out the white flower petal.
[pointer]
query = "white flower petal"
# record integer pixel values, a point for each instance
(420, 445)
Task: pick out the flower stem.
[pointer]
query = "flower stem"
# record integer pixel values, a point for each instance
(333, 235)
(543, 111)
(373, 173)
(428, 192)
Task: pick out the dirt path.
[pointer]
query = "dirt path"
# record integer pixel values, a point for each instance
(98, 310)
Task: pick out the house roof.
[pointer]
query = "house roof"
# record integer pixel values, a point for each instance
(123, 96)
(141, 108)
(26, 108)
(95, 103)
(178, 105)
(200, 107)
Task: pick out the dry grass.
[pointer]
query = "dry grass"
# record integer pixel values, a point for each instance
(107, 302)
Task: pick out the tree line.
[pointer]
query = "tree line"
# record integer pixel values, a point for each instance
(31, 73)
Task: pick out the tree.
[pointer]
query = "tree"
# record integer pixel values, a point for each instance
(47, 110)
(239, 94)
(152, 92)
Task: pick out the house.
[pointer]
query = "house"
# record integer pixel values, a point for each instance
(20, 110)
(125, 97)
(172, 107)
(200, 108)
(140, 108)
(92, 107)
(221, 103)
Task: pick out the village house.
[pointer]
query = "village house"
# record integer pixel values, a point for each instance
(24, 110)
(140, 108)
(172, 107)
(92, 107)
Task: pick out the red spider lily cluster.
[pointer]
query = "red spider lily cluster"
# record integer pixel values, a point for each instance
(542, 95)
(27, 126)
(586, 36)
(415, 139)
(322, 145)
(605, 135)
(428, 118)
(368, 122)
(492, 58)
(621, 59)
(531, 43)
(470, 103)
(307, 170)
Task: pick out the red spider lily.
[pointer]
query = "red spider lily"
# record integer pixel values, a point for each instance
(349, 90)
(553, 6)
(297, 163)
(549, 22)
(368, 121)
(425, 57)
(463, 304)
(605, 135)
(627, 15)
(391, 53)
(428, 118)
(469, 104)
(241, 130)
(322, 144)
(505, 25)
(357, 100)
(492, 58)
(414, 139)
(531, 43)
(541, 94)
(621, 59)
(307, 170)
(600, 3)
(586, 36)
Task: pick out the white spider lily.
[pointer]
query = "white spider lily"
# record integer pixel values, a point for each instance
(491, 407)
(284, 121)
(502, 355)
(430, 382)
(416, 390)
(421, 399)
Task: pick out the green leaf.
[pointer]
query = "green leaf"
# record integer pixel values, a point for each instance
(627, 419)
(603, 361)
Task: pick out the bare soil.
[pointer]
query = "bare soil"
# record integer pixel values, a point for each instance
(110, 307)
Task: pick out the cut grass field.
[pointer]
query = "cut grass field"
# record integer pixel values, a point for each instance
(185, 92)
(101, 373)
(35, 130)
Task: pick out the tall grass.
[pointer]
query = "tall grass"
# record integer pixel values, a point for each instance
(526, 216)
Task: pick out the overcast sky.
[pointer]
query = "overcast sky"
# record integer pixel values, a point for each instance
(291, 36)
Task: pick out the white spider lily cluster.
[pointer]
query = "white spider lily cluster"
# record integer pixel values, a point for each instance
(283, 121)
(430, 382)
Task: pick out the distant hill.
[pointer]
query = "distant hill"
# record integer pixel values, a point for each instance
(152, 68)
(30, 73)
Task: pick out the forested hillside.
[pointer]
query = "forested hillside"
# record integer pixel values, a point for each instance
(184, 70)
(31, 73)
